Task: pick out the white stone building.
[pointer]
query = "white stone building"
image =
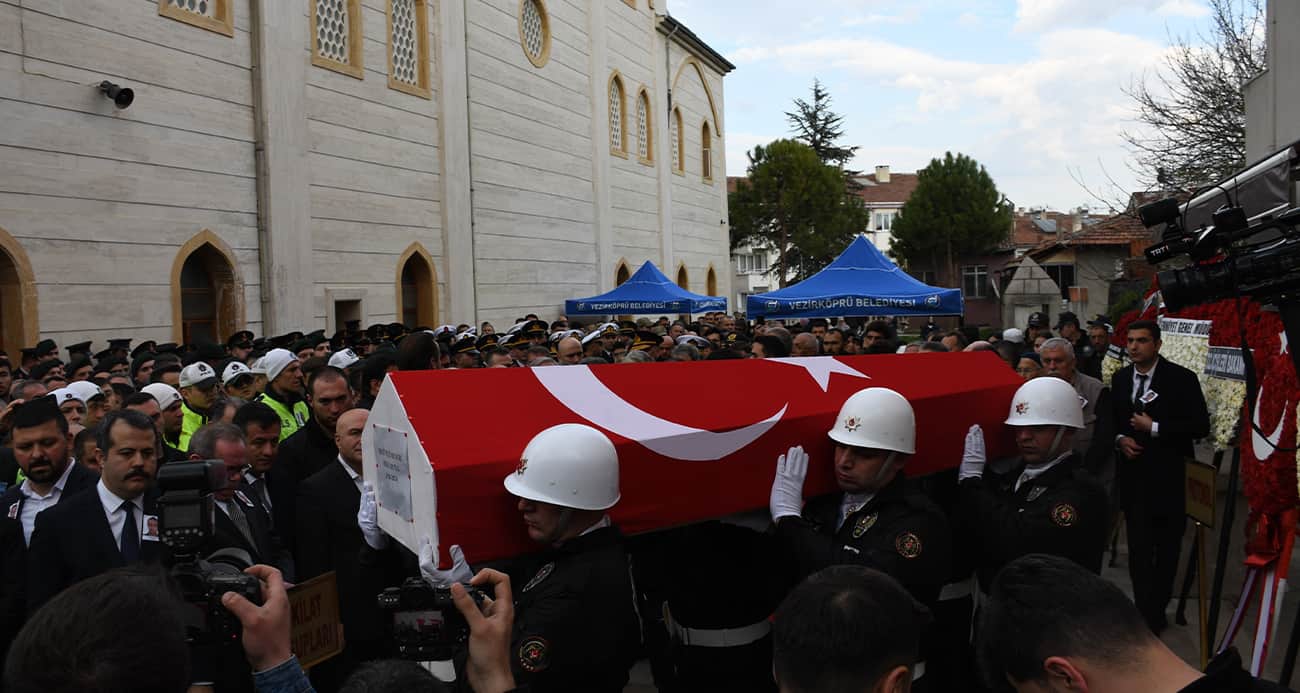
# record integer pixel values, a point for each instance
(1273, 97)
(293, 164)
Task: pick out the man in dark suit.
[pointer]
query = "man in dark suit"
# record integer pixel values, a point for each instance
(42, 450)
(328, 538)
(1159, 410)
(102, 527)
(240, 522)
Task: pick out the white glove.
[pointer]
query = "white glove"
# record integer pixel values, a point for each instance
(972, 455)
(368, 519)
(787, 487)
(459, 572)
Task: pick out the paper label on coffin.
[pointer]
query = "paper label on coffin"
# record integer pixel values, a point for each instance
(695, 440)
(393, 490)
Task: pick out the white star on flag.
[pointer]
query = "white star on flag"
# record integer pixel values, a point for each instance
(820, 368)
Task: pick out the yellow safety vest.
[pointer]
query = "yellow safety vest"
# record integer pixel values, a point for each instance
(290, 419)
(191, 421)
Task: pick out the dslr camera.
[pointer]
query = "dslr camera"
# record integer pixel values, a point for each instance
(184, 526)
(427, 626)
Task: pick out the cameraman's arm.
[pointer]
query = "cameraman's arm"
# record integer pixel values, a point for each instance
(488, 669)
(266, 635)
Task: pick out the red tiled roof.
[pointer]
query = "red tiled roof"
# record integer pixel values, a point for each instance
(899, 188)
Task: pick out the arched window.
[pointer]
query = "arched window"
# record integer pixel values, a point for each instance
(683, 280)
(622, 275)
(617, 117)
(17, 298)
(706, 152)
(679, 152)
(417, 288)
(535, 31)
(644, 130)
(711, 282)
(207, 293)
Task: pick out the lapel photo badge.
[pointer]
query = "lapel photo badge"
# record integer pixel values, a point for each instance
(150, 528)
(863, 524)
(908, 545)
(542, 574)
(1064, 515)
(13, 510)
(1149, 397)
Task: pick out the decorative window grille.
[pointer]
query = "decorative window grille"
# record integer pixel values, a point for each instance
(643, 141)
(213, 15)
(679, 165)
(408, 51)
(706, 152)
(336, 36)
(534, 31)
(616, 140)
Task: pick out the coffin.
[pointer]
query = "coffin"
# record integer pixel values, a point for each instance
(696, 440)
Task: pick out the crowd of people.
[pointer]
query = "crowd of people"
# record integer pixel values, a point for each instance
(872, 588)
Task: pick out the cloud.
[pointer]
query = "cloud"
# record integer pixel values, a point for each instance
(1045, 15)
(1028, 121)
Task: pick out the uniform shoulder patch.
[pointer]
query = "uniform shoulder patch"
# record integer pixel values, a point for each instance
(864, 523)
(542, 574)
(908, 545)
(534, 654)
(1064, 515)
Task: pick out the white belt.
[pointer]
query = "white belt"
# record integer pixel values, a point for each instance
(956, 590)
(716, 637)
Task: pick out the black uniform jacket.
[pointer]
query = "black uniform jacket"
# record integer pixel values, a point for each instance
(1064, 512)
(1180, 412)
(72, 542)
(576, 627)
(1225, 675)
(899, 533)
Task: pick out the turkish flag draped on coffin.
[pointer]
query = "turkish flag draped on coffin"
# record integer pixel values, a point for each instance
(695, 440)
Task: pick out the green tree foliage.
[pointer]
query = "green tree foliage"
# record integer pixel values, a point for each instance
(956, 210)
(817, 126)
(796, 205)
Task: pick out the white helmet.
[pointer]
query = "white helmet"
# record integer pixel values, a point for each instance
(569, 465)
(878, 418)
(1046, 401)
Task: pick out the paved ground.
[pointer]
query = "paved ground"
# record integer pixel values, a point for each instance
(1185, 640)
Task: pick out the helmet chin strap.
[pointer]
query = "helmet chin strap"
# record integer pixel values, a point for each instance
(1053, 451)
(886, 468)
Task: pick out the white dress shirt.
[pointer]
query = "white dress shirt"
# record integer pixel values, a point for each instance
(352, 474)
(1150, 377)
(1032, 473)
(116, 515)
(851, 503)
(33, 504)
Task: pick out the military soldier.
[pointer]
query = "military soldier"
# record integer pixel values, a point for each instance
(1045, 502)
(873, 521)
(576, 627)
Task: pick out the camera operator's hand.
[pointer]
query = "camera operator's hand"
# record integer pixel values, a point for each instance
(368, 519)
(973, 455)
(459, 572)
(787, 485)
(488, 668)
(266, 627)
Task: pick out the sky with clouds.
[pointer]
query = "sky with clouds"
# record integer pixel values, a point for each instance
(1032, 89)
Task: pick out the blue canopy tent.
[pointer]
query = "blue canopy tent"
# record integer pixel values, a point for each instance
(647, 291)
(860, 282)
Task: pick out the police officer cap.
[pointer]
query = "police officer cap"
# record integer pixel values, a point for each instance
(46, 347)
(445, 333)
(627, 328)
(395, 330)
(119, 343)
(465, 345)
(1100, 321)
(147, 346)
(240, 337)
(168, 348)
(591, 338)
(1066, 318)
(103, 355)
(536, 328)
(645, 340)
(694, 340)
(1038, 319)
(488, 340)
(78, 348)
(513, 340)
(302, 344)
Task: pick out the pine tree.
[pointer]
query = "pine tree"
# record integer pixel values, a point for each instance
(797, 205)
(817, 126)
(955, 210)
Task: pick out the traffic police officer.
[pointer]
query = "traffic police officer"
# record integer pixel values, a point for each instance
(283, 391)
(1044, 502)
(198, 388)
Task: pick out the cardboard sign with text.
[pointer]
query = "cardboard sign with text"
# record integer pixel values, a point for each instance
(695, 440)
(316, 633)
(1200, 491)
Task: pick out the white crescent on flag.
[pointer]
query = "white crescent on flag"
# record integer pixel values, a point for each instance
(577, 388)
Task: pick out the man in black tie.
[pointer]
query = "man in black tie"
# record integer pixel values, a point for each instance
(240, 522)
(1159, 410)
(261, 427)
(102, 527)
(42, 449)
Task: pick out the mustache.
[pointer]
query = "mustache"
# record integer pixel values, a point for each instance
(137, 474)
